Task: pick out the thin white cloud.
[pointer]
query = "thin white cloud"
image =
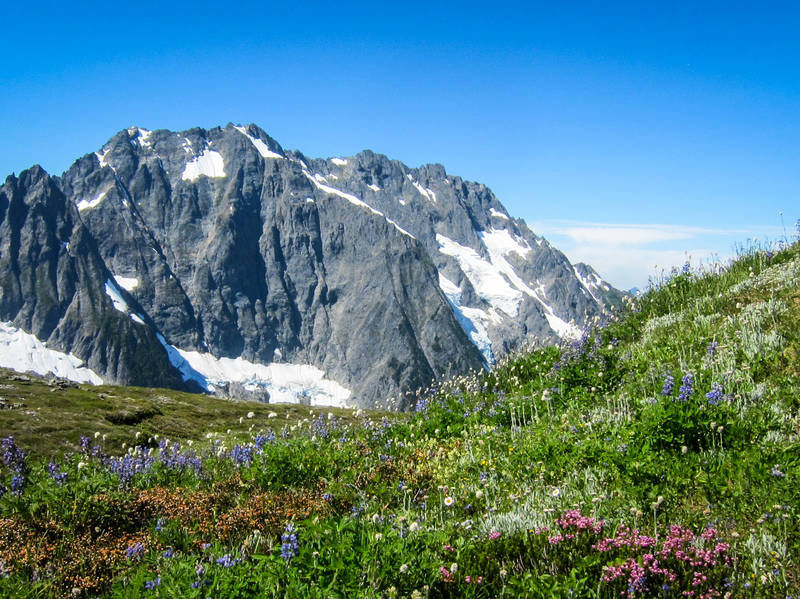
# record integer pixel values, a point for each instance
(623, 235)
(629, 255)
(630, 234)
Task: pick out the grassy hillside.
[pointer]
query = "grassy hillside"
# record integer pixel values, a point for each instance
(657, 456)
(48, 417)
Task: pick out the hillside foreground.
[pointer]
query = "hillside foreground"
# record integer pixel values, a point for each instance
(656, 456)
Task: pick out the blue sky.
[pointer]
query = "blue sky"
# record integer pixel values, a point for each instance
(629, 134)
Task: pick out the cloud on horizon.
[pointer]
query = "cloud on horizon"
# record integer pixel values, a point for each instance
(628, 255)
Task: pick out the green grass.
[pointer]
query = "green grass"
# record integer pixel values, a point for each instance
(48, 418)
(563, 472)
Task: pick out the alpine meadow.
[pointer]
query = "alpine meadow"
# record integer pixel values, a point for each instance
(654, 456)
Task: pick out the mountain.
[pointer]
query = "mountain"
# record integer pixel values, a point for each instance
(215, 259)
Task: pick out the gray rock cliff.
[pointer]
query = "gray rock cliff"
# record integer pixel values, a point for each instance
(250, 264)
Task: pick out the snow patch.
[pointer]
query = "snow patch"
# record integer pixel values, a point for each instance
(113, 292)
(374, 187)
(138, 319)
(497, 214)
(496, 281)
(484, 276)
(472, 320)
(354, 200)
(424, 191)
(209, 163)
(102, 158)
(285, 383)
(23, 352)
(89, 204)
(501, 243)
(592, 282)
(141, 136)
(127, 283)
(262, 148)
(339, 161)
(587, 283)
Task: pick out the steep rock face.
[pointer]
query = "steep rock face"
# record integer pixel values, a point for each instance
(236, 251)
(262, 271)
(53, 285)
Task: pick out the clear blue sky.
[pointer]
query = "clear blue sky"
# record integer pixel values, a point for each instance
(676, 122)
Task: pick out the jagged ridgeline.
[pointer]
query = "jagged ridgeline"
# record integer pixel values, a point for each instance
(218, 261)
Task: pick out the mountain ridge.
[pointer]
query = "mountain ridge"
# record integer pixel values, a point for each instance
(241, 256)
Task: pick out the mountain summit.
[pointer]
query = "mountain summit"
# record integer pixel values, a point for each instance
(218, 261)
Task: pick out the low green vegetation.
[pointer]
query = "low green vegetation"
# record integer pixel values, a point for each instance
(47, 418)
(656, 456)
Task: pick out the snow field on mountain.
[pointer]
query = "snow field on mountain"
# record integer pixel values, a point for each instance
(209, 164)
(23, 352)
(285, 383)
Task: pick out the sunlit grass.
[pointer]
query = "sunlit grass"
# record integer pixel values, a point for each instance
(655, 456)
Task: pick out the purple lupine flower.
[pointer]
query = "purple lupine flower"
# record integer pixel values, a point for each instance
(13, 457)
(55, 473)
(712, 348)
(135, 551)
(151, 584)
(241, 454)
(290, 546)
(17, 485)
(226, 561)
(262, 439)
(687, 387)
(669, 385)
(716, 394)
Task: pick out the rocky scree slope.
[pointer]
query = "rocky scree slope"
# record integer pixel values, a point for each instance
(217, 259)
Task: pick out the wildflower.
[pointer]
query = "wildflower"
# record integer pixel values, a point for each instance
(17, 485)
(669, 385)
(251, 414)
(712, 348)
(776, 472)
(415, 594)
(687, 387)
(226, 561)
(151, 584)
(404, 569)
(494, 535)
(556, 492)
(715, 395)
(135, 551)
(448, 501)
(290, 545)
(414, 527)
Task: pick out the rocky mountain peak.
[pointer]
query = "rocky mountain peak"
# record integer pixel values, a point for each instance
(260, 271)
